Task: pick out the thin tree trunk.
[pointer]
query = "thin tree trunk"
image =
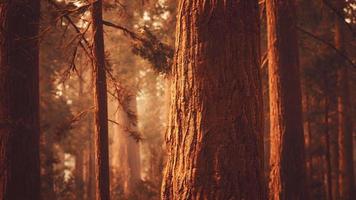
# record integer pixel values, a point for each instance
(19, 100)
(346, 176)
(308, 141)
(126, 149)
(215, 136)
(80, 153)
(91, 193)
(79, 181)
(48, 177)
(329, 190)
(288, 176)
(100, 104)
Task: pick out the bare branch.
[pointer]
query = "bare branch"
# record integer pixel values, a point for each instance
(339, 15)
(327, 44)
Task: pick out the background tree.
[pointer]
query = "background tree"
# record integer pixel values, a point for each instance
(346, 168)
(287, 160)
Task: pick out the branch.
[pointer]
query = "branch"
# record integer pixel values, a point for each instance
(150, 48)
(66, 16)
(339, 15)
(132, 34)
(327, 44)
(135, 134)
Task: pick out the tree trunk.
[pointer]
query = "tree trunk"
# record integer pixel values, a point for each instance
(346, 176)
(47, 178)
(308, 140)
(19, 100)
(78, 174)
(100, 104)
(288, 178)
(329, 190)
(215, 136)
(126, 149)
(91, 193)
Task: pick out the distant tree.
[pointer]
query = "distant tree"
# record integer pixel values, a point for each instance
(287, 175)
(214, 139)
(19, 100)
(346, 170)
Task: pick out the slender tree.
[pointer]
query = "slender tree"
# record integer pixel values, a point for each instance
(329, 190)
(126, 149)
(214, 139)
(288, 179)
(346, 171)
(100, 104)
(19, 100)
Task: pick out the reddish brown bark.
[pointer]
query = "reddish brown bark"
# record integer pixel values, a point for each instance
(308, 140)
(329, 191)
(100, 104)
(346, 171)
(215, 141)
(19, 100)
(287, 175)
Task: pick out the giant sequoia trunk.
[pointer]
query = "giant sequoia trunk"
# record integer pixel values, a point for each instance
(287, 140)
(100, 104)
(125, 148)
(19, 100)
(215, 141)
(346, 171)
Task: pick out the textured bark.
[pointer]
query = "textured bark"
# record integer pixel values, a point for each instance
(346, 176)
(126, 149)
(19, 100)
(214, 139)
(100, 104)
(287, 175)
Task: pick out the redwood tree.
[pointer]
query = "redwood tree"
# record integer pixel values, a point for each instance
(100, 104)
(125, 147)
(19, 100)
(214, 139)
(346, 171)
(287, 140)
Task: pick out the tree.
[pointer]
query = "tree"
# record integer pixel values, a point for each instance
(126, 147)
(346, 171)
(214, 139)
(19, 102)
(287, 160)
(100, 104)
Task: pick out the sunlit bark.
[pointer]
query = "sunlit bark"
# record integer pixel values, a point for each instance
(214, 139)
(100, 104)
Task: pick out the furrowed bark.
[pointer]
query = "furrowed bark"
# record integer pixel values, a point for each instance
(19, 100)
(214, 139)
